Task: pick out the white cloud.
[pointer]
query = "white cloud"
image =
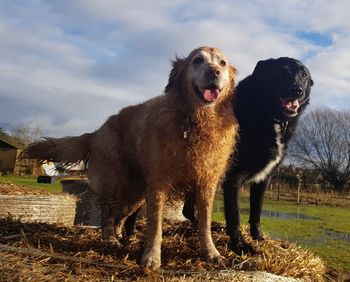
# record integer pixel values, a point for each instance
(331, 71)
(308, 15)
(71, 64)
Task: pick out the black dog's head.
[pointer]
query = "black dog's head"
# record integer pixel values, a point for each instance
(284, 85)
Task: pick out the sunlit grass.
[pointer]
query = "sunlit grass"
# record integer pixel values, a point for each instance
(32, 182)
(307, 233)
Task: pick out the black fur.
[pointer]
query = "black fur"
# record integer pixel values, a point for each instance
(258, 106)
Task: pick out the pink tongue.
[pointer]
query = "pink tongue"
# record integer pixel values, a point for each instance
(293, 105)
(210, 95)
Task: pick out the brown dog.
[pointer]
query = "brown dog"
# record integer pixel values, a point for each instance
(177, 141)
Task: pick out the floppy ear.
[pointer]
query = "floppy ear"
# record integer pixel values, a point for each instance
(261, 67)
(178, 66)
(233, 72)
(311, 82)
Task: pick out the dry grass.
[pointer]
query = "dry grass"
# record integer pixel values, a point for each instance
(43, 252)
(12, 189)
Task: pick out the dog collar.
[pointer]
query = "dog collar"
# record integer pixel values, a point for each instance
(186, 127)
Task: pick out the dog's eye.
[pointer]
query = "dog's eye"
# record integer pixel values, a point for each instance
(198, 61)
(304, 74)
(223, 63)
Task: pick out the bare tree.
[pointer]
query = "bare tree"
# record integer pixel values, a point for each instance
(26, 133)
(322, 141)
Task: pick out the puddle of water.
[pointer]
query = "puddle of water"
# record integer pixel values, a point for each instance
(336, 235)
(322, 238)
(319, 239)
(283, 215)
(276, 214)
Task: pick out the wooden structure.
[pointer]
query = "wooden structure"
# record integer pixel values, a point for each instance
(10, 163)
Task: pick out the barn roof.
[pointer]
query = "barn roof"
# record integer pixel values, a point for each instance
(6, 141)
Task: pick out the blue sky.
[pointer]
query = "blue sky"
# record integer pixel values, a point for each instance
(67, 65)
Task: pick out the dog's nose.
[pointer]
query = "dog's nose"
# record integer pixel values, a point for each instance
(213, 72)
(216, 71)
(298, 90)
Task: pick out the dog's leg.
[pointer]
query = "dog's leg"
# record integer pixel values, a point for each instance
(107, 222)
(115, 210)
(189, 208)
(155, 199)
(131, 222)
(126, 217)
(205, 197)
(231, 188)
(257, 192)
(136, 200)
(130, 204)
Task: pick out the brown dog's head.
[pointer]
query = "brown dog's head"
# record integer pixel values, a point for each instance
(205, 76)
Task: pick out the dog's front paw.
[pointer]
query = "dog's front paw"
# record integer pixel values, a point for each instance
(113, 241)
(255, 232)
(216, 259)
(109, 235)
(212, 256)
(151, 260)
(239, 245)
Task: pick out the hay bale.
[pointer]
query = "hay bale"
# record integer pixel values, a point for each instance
(39, 208)
(173, 211)
(88, 210)
(75, 186)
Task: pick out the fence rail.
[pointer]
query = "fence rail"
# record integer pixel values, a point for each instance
(302, 195)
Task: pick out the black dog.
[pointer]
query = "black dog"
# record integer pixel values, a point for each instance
(268, 104)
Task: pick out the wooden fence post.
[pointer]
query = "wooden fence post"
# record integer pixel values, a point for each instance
(278, 192)
(271, 186)
(298, 188)
(331, 196)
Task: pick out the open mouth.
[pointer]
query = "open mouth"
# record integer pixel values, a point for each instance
(208, 94)
(290, 106)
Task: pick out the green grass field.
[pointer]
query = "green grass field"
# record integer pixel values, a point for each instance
(319, 234)
(55, 187)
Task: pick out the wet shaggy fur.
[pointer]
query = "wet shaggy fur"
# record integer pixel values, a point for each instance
(268, 105)
(173, 142)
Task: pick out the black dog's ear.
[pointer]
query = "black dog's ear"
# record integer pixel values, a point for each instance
(262, 67)
(178, 66)
(311, 82)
